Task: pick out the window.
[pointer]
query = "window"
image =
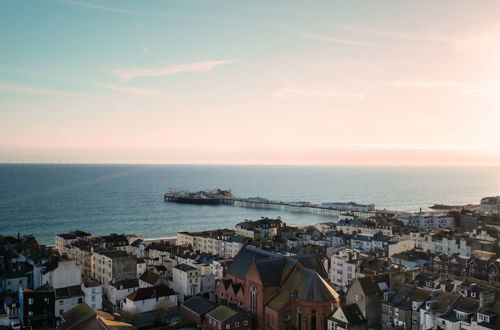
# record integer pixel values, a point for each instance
(80, 300)
(61, 311)
(31, 301)
(245, 322)
(61, 302)
(236, 324)
(253, 299)
(228, 326)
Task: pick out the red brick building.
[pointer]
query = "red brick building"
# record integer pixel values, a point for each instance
(224, 317)
(194, 309)
(280, 292)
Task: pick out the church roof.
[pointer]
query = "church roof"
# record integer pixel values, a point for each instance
(304, 284)
(241, 263)
(273, 268)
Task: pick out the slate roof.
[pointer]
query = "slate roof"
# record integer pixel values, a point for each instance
(199, 305)
(149, 277)
(312, 262)
(417, 294)
(82, 317)
(445, 301)
(305, 284)
(352, 314)
(68, 292)
(242, 261)
(76, 316)
(368, 285)
(151, 292)
(113, 253)
(467, 305)
(185, 267)
(75, 234)
(273, 272)
(273, 268)
(222, 313)
(127, 284)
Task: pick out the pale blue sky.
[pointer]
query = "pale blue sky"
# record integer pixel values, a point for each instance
(215, 77)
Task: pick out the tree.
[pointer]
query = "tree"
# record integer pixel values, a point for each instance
(130, 315)
(163, 307)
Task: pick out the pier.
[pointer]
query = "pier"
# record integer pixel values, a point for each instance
(325, 209)
(310, 208)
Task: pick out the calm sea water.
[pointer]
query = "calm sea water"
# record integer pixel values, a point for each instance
(48, 199)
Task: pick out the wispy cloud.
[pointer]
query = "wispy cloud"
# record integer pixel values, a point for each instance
(423, 84)
(20, 89)
(472, 40)
(133, 12)
(133, 90)
(291, 93)
(465, 93)
(340, 40)
(196, 67)
(400, 35)
(99, 7)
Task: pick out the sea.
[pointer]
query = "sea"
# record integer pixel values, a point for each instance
(48, 199)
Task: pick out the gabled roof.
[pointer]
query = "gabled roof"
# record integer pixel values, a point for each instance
(445, 301)
(368, 285)
(199, 305)
(241, 263)
(76, 316)
(273, 268)
(304, 284)
(82, 317)
(126, 284)
(149, 277)
(151, 292)
(222, 313)
(348, 314)
(273, 272)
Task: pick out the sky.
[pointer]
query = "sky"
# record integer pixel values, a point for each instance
(250, 82)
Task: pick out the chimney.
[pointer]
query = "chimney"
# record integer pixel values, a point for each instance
(486, 298)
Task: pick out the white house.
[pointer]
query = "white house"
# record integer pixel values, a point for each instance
(118, 291)
(426, 220)
(490, 204)
(367, 242)
(93, 294)
(343, 268)
(64, 240)
(67, 298)
(61, 273)
(111, 265)
(151, 278)
(445, 243)
(186, 281)
(149, 299)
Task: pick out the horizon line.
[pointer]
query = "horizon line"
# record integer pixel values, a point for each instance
(251, 164)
